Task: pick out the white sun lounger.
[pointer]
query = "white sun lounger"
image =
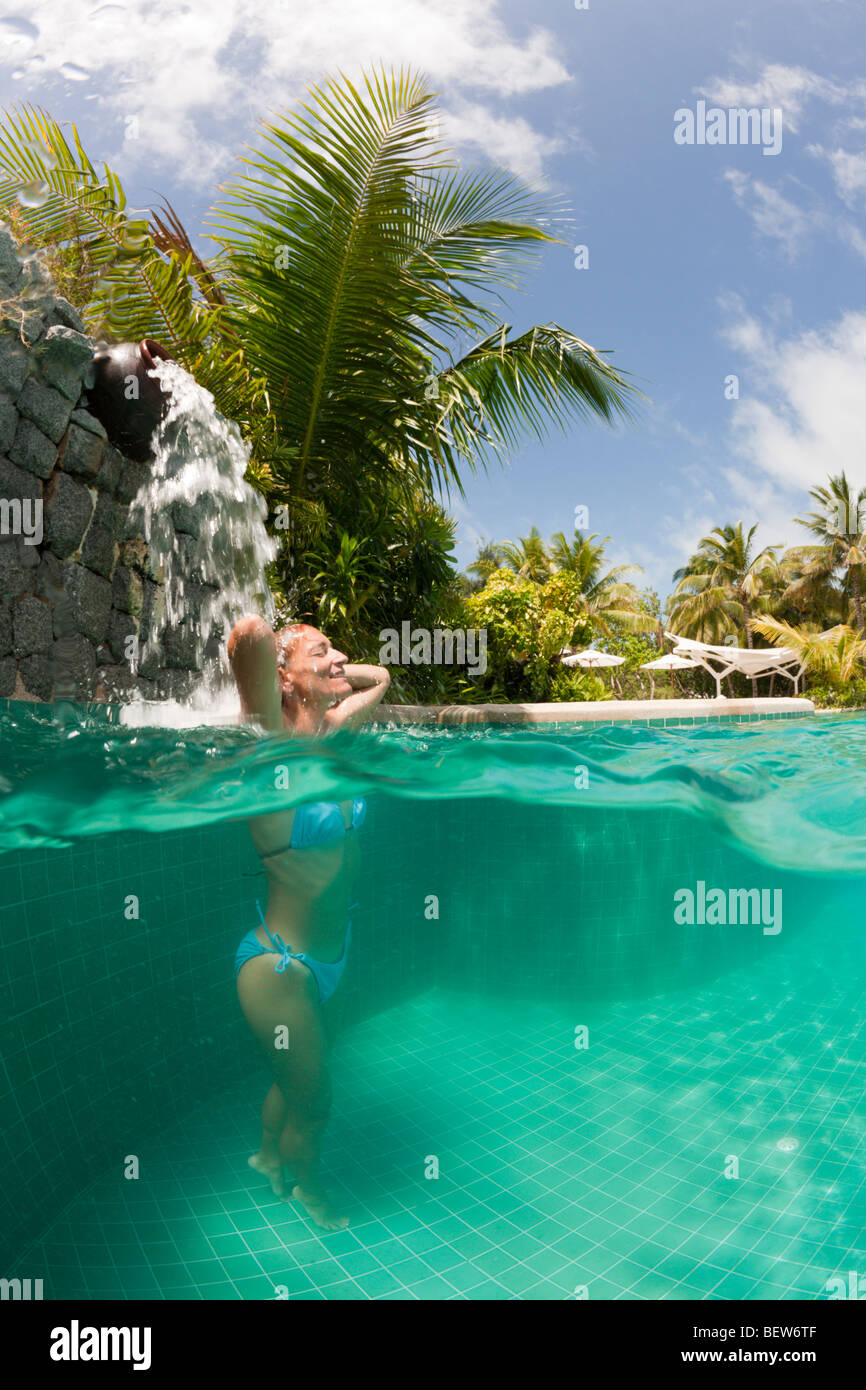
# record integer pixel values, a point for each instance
(780, 661)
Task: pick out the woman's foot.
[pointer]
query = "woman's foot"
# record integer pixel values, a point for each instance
(319, 1207)
(272, 1169)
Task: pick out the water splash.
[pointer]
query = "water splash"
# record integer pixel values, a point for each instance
(205, 528)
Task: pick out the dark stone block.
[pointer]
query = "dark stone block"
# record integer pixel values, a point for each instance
(14, 364)
(174, 685)
(127, 591)
(116, 684)
(121, 626)
(65, 356)
(179, 645)
(99, 551)
(50, 576)
(84, 452)
(33, 450)
(188, 556)
(14, 579)
(68, 510)
(10, 267)
(14, 482)
(150, 661)
(5, 631)
(37, 675)
(63, 313)
(8, 676)
(111, 517)
(146, 689)
(31, 627)
(90, 599)
(133, 478)
(86, 421)
(74, 666)
(196, 599)
(152, 611)
(108, 476)
(135, 554)
(8, 423)
(185, 518)
(49, 410)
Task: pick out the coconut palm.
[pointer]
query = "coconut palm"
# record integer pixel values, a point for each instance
(723, 585)
(606, 597)
(367, 273)
(839, 560)
(487, 560)
(527, 557)
(352, 318)
(839, 655)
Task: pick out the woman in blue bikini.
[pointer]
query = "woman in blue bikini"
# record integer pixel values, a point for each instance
(291, 963)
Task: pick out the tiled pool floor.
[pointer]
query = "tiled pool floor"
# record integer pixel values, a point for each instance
(560, 1170)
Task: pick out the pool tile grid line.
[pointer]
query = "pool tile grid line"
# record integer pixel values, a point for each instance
(686, 1281)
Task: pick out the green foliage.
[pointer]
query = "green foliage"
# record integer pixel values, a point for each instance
(527, 626)
(567, 684)
(850, 696)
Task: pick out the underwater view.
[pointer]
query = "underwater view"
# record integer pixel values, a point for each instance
(558, 1064)
(432, 675)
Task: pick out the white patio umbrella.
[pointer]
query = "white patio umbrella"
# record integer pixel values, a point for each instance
(666, 663)
(590, 659)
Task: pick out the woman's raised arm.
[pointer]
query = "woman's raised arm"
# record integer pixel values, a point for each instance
(369, 684)
(252, 649)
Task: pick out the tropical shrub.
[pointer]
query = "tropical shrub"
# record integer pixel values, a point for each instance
(526, 630)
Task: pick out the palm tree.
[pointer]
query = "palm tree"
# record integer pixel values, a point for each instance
(527, 557)
(606, 597)
(351, 321)
(367, 273)
(487, 560)
(839, 654)
(723, 585)
(842, 544)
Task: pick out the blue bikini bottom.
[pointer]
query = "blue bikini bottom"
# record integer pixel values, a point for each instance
(326, 973)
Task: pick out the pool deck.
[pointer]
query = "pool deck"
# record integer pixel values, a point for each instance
(600, 712)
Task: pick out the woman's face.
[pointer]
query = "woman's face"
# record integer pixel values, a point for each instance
(309, 667)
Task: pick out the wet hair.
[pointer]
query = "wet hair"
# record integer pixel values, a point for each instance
(287, 640)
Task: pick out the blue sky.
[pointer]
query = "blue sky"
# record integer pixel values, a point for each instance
(704, 260)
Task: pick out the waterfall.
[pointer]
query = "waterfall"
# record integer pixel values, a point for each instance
(205, 530)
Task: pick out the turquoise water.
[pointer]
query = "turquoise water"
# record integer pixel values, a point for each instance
(704, 1139)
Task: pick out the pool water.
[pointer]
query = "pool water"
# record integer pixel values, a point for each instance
(545, 1086)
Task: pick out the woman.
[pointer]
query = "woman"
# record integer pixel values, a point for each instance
(291, 963)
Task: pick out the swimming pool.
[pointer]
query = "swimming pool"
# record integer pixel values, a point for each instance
(549, 1082)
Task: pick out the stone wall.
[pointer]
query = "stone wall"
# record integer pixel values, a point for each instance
(69, 603)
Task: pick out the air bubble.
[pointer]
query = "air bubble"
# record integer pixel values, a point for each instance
(34, 195)
(74, 73)
(15, 29)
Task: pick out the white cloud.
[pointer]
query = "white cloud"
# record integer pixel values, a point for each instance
(802, 412)
(776, 85)
(507, 140)
(199, 75)
(773, 214)
(848, 169)
(832, 103)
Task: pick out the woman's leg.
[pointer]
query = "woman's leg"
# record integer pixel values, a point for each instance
(268, 1160)
(283, 1013)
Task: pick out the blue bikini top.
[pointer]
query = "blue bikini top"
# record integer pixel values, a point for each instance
(319, 822)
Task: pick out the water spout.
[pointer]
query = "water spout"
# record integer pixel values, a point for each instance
(205, 530)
